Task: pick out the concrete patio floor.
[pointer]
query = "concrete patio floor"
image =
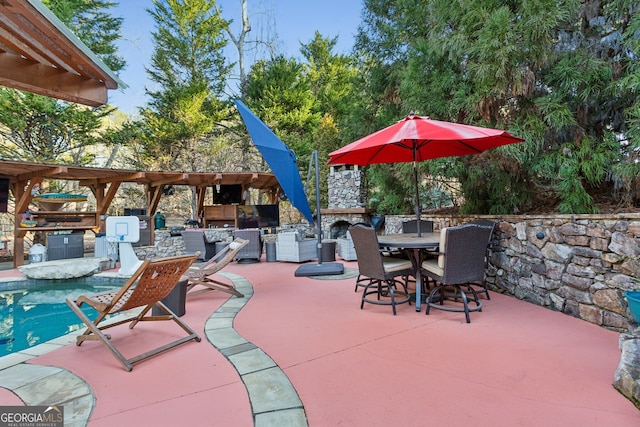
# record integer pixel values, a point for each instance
(299, 351)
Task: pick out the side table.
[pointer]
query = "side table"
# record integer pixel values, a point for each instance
(329, 250)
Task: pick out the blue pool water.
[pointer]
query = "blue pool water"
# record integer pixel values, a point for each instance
(34, 311)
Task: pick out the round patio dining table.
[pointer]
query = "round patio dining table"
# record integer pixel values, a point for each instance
(415, 245)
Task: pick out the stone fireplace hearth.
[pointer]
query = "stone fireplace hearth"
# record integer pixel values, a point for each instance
(347, 201)
(336, 222)
(339, 229)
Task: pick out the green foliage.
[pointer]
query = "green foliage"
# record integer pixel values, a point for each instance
(190, 69)
(396, 194)
(37, 128)
(563, 75)
(279, 92)
(489, 178)
(331, 77)
(305, 103)
(393, 190)
(325, 139)
(577, 199)
(578, 168)
(188, 44)
(94, 25)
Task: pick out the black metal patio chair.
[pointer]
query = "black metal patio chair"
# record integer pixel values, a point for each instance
(482, 285)
(461, 262)
(382, 272)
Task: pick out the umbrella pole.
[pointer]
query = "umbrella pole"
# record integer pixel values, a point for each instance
(318, 214)
(415, 180)
(313, 163)
(318, 269)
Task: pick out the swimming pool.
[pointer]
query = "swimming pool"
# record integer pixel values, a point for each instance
(34, 311)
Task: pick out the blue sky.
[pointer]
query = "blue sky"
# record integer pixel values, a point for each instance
(292, 21)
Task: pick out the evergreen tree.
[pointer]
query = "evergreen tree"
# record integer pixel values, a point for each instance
(331, 77)
(279, 92)
(190, 70)
(380, 55)
(92, 22)
(559, 74)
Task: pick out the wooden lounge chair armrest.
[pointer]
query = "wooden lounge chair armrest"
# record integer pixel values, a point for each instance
(96, 305)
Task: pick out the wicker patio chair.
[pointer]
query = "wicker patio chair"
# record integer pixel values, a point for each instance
(460, 263)
(382, 272)
(346, 250)
(146, 288)
(291, 246)
(196, 241)
(201, 275)
(483, 284)
(411, 226)
(253, 250)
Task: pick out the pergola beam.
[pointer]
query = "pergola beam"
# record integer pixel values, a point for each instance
(170, 179)
(41, 172)
(39, 54)
(130, 177)
(31, 76)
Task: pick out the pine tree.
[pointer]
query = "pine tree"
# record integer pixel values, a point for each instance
(189, 69)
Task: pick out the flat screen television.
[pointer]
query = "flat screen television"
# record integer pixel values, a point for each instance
(4, 195)
(228, 194)
(258, 216)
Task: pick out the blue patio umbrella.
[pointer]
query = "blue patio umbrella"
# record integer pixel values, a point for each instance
(280, 158)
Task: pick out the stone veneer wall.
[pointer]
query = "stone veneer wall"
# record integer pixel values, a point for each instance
(347, 200)
(580, 265)
(166, 245)
(346, 188)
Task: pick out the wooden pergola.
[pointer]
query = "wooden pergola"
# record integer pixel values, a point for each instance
(104, 184)
(39, 54)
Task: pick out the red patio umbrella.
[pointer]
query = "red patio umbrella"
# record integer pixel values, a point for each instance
(417, 138)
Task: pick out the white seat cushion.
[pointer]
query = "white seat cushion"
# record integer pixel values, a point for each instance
(443, 249)
(432, 266)
(395, 264)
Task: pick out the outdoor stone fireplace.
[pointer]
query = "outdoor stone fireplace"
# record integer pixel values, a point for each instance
(347, 201)
(338, 229)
